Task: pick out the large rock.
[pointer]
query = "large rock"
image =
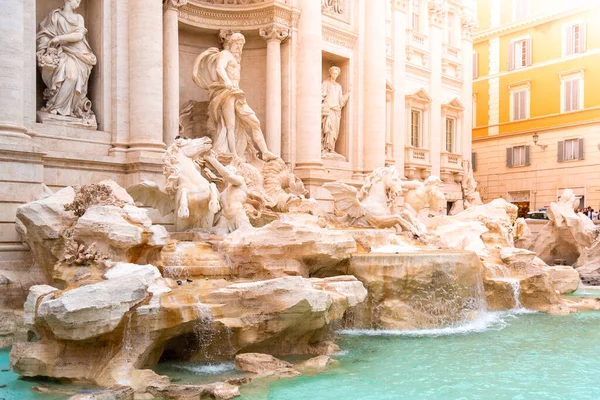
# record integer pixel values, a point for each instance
(565, 279)
(566, 236)
(415, 290)
(294, 245)
(122, 234)
(78, 339)
(264, 365)
(92, 310)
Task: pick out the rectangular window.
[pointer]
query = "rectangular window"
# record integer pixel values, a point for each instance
(450, 128)
(572, 95)
(519, 107)
(518, 156)
(475, 65)
(519, 54)
(415, 15)
(415, 128)
(571, 149)
(574, 39)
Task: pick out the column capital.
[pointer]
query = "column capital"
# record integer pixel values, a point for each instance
(401, 5)
(437, 12)
(469, 26)
(174, 4)
(274, 32)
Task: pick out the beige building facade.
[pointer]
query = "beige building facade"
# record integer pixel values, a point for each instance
(405, 66)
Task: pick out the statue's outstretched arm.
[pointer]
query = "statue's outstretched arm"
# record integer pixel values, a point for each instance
(229, 176)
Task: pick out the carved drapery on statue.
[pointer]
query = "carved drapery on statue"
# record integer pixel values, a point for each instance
(333, 100)
(234, 123)
(65, 59)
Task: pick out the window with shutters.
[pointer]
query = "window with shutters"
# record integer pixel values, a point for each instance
(416, 15)
(474, 161)
(571, 149)
(519, 53)
(571, 88)
(475, 65)
(415, 128)
(450, 132)
(521, 9)
(519, 105)
(574, 38)
(518, 156)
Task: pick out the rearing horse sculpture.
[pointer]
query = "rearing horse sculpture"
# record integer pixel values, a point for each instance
(193, 198)
(375, 203)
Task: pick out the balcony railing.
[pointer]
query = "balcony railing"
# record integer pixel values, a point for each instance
(417, 156)
(452, 52)
(417, 39)
(452, 162)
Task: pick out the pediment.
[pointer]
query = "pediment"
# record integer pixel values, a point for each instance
(454, 104)
(420, 95)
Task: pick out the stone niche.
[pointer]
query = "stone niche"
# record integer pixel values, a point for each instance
(193, 101)
(330, 60)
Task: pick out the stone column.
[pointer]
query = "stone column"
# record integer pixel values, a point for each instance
(399, 76)
(308, 109)
(374, 86)
(12, 73)
(469, 27)
(274, 35)
(437, 15)
(171, 69)
(145, 76)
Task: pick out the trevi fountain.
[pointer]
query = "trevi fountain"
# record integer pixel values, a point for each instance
(272, 282)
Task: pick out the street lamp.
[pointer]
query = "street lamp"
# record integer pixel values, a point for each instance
(535, 140)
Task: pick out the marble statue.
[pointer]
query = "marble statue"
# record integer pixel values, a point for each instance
(374, 205)
(65, 60)
(333, 100)
(194, 199)
(419, 195)
(218, 71)
(232, 199)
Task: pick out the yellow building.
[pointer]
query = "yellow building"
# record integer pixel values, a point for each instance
(536, 99)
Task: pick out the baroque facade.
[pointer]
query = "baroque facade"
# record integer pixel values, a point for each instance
(536, 123)
(407, 64)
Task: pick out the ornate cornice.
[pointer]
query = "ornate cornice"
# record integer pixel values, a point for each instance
(437, 12)
(469, 26)
(274, 32)
(239, 15)
(338, 37)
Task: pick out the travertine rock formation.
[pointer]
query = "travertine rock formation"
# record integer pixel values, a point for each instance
(293, 245)
(264, 365)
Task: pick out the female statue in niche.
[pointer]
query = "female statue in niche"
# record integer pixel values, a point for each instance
(65, 60)
(331, 113)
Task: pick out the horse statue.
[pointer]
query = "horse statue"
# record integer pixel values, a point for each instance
(193, 197)
(374, 205)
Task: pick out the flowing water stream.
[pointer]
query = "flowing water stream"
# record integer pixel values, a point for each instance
(500, 355)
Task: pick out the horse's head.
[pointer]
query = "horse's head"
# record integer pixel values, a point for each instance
(436, 196)
(193, 148)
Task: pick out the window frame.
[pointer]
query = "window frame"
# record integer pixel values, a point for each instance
(569, 41)
(513, 92)
(523, 6)
(416, 16)
(568, 78)
(452, 142)
(419, 136)
(577, 149)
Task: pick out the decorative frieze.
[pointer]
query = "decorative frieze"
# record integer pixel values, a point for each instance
(437, 12)
(338, 37)
(252, 16)
(338, 9)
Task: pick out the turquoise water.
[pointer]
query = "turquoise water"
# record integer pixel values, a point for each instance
(500, 356)
(529, 356)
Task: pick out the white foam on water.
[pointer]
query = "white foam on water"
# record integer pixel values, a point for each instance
(486, 321)
(206, 369)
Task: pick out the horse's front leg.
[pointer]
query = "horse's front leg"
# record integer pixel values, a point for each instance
(183, 212)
